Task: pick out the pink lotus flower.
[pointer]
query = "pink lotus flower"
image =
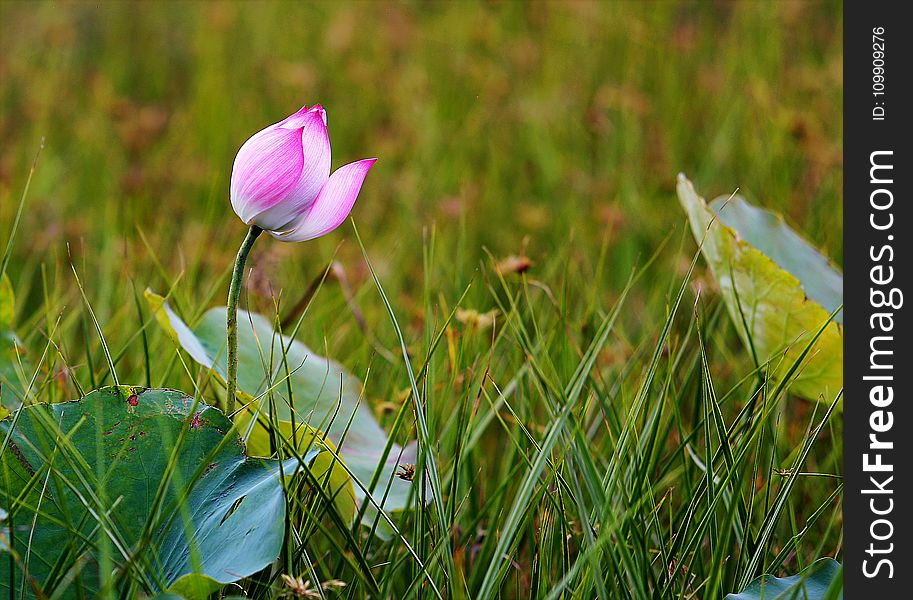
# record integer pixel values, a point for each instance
(281, 179)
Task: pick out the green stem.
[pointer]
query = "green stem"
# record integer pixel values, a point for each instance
(234, 292)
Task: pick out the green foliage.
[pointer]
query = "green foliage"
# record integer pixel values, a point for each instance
(135, 488)
(7, 302)
(289, 393)
(13, 368)
(768, 233)
(778, 289)
(818, 581)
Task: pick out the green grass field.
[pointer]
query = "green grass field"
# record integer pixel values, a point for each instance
(570, 438)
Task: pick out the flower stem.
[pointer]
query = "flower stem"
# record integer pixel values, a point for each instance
(234, 292)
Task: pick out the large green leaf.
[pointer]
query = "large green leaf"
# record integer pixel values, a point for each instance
(326, 398)
(13, 378)
(780, 292)
(79, 480)
(818, 581)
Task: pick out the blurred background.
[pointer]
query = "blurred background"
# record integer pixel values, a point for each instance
(552, 131)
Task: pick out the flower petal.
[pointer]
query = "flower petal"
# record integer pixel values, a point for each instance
(333, 203)
(315, 169)
(319, 109)
(296, 120)
(268, 166)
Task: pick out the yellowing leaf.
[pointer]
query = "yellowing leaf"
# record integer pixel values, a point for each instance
(328, 468)
(252, 418)
(13, 377)
(7, 302)
(326, 406)
(779, 290)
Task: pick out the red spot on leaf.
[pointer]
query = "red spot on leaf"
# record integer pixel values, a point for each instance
(195, 421)
(132, 401)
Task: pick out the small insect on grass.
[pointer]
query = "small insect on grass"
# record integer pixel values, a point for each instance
(406, 472)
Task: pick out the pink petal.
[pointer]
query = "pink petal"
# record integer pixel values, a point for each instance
(319, 109)
(315, 169)
(297, 120)
(268, 166)
(294, 121)
(333, 203)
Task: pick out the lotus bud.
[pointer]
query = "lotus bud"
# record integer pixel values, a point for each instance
(281, 179)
